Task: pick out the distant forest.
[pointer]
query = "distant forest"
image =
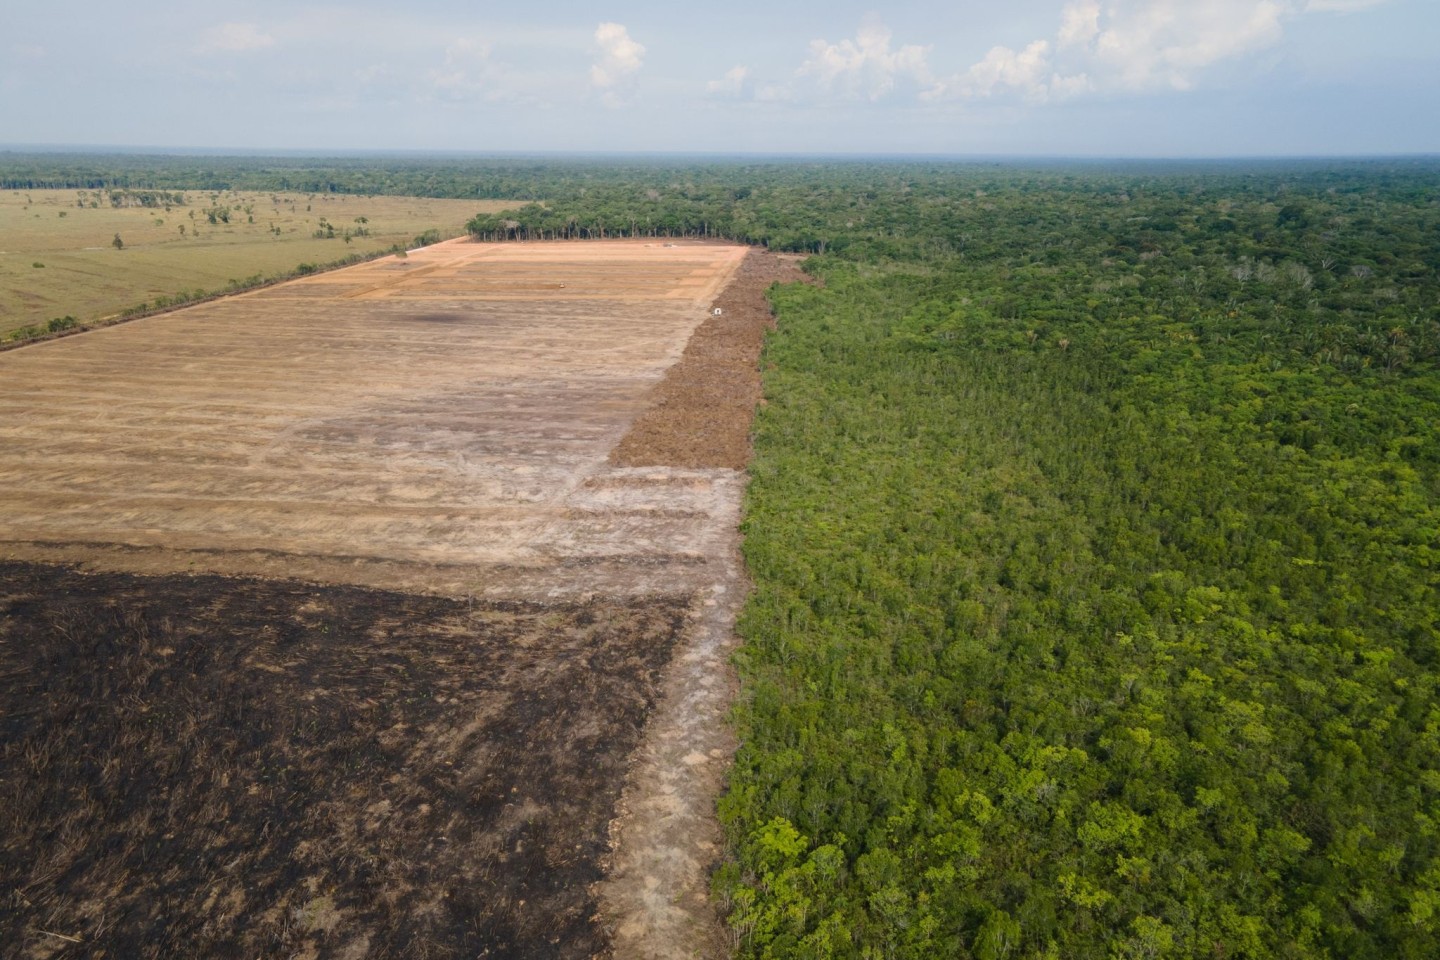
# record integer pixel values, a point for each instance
(1095, 531)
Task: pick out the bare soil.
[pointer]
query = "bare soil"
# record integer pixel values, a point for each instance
(213, 767)
(439, 423)
(700, 414)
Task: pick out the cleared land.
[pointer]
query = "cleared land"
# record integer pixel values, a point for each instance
(409, 737)
(437, 423)
(203, 767)
(70, 234)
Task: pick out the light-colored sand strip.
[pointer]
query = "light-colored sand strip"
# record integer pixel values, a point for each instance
(666, 839)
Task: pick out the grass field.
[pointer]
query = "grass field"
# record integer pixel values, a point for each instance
(58, 256)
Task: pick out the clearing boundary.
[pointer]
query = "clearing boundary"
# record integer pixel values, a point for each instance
(414, 458)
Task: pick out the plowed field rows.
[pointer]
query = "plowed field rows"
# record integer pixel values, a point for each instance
(439, 422)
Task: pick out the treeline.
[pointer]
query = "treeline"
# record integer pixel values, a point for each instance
(516, 178)
(895, 210)
(791, 204)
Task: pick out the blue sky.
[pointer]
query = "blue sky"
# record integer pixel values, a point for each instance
(1047, 77)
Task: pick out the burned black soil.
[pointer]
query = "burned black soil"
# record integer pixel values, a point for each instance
(212, 767)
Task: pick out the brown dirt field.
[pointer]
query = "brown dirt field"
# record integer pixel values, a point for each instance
(439, 423)
(213, 767)
(700, 414)
(329, 624)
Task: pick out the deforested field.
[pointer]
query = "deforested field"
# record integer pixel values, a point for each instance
(331, 624)
(448, 413)
(198, 766)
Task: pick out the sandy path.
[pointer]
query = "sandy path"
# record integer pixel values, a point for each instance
(667, 839)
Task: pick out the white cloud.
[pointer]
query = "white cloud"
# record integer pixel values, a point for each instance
(466, 72)
(1166, 43)
(1028, 73)
(1002, 67)
(620, 58)
(1340, 6)
(866, 67)
(1079, 23)
(1064, 87)
(1132, 46)
(1099, 47)
(234, 38)
(733, 84)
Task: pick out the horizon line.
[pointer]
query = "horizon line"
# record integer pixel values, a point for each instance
(321, 153)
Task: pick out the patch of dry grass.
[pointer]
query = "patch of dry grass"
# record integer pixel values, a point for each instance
(57, 253)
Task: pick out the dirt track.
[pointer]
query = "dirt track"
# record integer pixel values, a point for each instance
(700, 414)
(384, 438)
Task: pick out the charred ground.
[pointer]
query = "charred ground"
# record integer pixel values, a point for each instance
(208, 766)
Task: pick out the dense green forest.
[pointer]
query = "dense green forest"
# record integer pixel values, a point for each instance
(1095, 539)
(1095, 532)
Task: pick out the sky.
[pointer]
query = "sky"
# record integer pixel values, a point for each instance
(1139, 78)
